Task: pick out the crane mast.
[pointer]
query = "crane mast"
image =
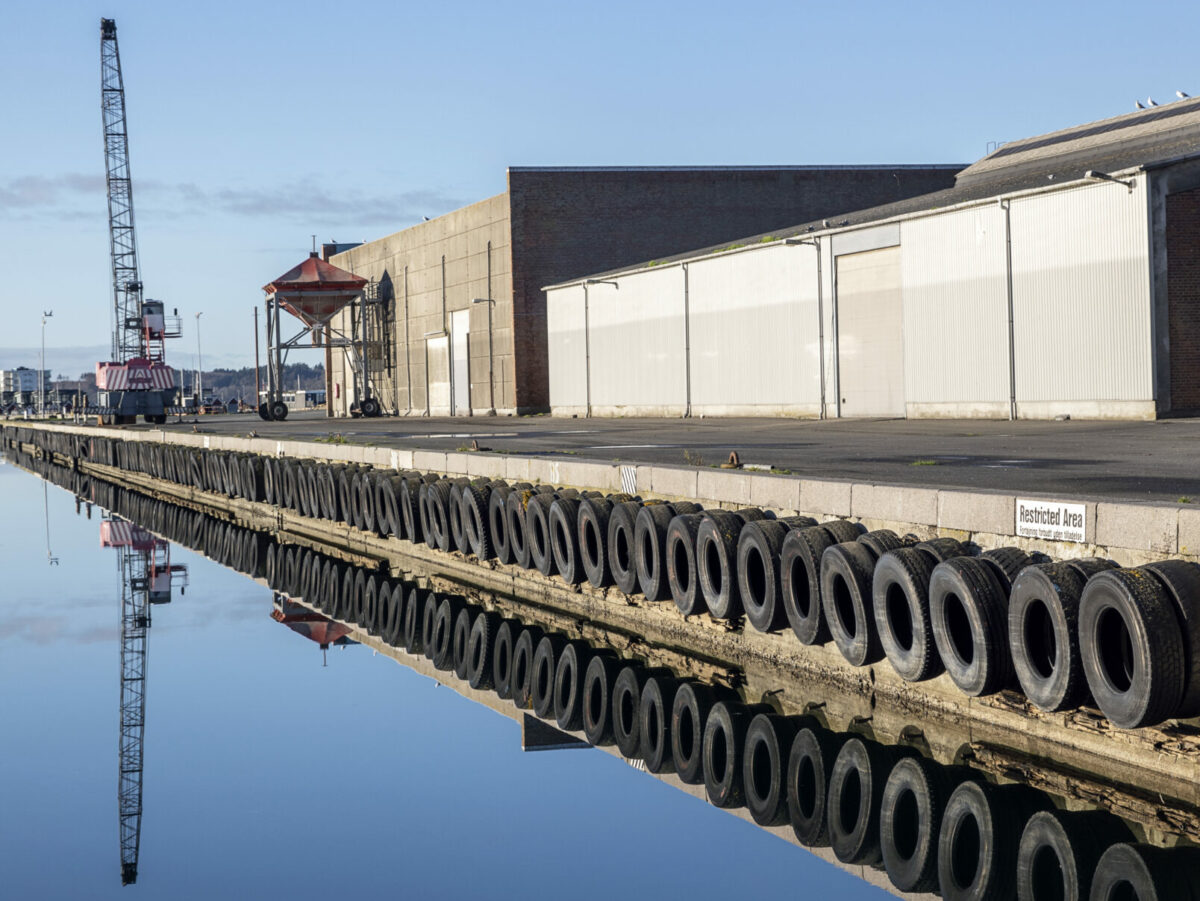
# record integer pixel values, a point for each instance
(127, 336)
(137, 379)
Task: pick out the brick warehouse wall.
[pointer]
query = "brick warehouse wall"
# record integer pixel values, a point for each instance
(1183, 298)
(570, 222)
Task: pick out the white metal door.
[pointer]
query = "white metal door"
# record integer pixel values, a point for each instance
(870, 333)
(460, 375)
(437, 375)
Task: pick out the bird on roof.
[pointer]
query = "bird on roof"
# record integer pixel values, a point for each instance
(426, 218)
(1139, 104)
(1182, 95)
(1150, 102)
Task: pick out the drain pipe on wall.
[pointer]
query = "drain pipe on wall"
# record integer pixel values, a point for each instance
(587, 336)
(407, 344)
(816, 243)
(687, 344)
(1008, 279)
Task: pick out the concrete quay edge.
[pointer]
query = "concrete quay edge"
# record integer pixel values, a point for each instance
(1129, 533)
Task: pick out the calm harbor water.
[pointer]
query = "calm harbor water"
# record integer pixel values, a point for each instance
(273, 769)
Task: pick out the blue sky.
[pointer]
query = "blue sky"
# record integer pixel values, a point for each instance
(256, 125)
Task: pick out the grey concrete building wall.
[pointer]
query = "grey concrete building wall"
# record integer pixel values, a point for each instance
(570, 222)
(433, 270)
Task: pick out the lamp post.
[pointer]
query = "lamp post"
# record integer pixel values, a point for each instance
(199, 369)
(46, 314)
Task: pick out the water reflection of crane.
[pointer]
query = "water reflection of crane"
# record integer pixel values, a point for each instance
(50, 558)
(147, 576)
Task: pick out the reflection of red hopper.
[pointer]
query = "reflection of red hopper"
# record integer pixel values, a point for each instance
(118, 533)
(312, 626)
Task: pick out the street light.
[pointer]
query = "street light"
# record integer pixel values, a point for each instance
(46, 314)
(199, 368)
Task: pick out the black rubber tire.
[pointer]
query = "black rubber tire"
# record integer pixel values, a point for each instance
(765, 754)
(537, 533)
(1090, 566)
(567, 691)
(1132, 647)
(473, 514)
(1043, 635)
(759, 548)
(440, 509)
(622, 560)
(518, 538)
(502, 657)
(1182, 583)
(498, 524)
(279, 411)
(370, 407)
(716, 560)
(939, 550)
(842, 530)
(847, 571)
(968, 607)
(724, 742)
(650, 550)
(598, 682)
(1146, 873)
(454, 515)
(442, 643)
(810, 762)
(881, 541)
(592, 523)
(900, 595)
(564, 540)
(414, 615)
(626, 704)
(410, 511)
(654, 721)
(460, 653)
(1008, 563)
(521, 681)
(800, 582)
(1059, 851)
(856, 785)
(683, 574)
(910, 819)
(978, 841)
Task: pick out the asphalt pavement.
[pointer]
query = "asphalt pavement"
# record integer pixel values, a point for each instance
(1131, 460)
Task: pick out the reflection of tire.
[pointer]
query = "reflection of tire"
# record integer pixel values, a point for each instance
(460, 642)
(654, 722)
(522, 666)
(764, 763)
(443, 633)
(391, 625)
(910, 817)
(1131, 647)
(428, 617)
(724, 743)
(800, 582)
(626, 703)
(968, 608)
(480, 643)
(414, 615)
(1147, 873)
(900, 596)
(856, 785)
(545, 667)
(977, 844)
(598, 682)
(1059, 851)
(1043, 634)
(846, 573)
(568, 686)
(502, 657)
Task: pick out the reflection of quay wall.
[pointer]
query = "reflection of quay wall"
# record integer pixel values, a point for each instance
(1076, 754)
(1128, 533)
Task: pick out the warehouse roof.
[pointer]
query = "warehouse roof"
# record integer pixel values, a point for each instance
(1144, 138)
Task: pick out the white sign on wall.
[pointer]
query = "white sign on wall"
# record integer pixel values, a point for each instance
(1051, 520)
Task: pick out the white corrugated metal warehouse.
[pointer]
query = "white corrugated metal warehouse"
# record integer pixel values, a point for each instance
(1060, 276)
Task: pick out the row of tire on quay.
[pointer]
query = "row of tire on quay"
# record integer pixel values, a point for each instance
(931, 827)
(1069, 633)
